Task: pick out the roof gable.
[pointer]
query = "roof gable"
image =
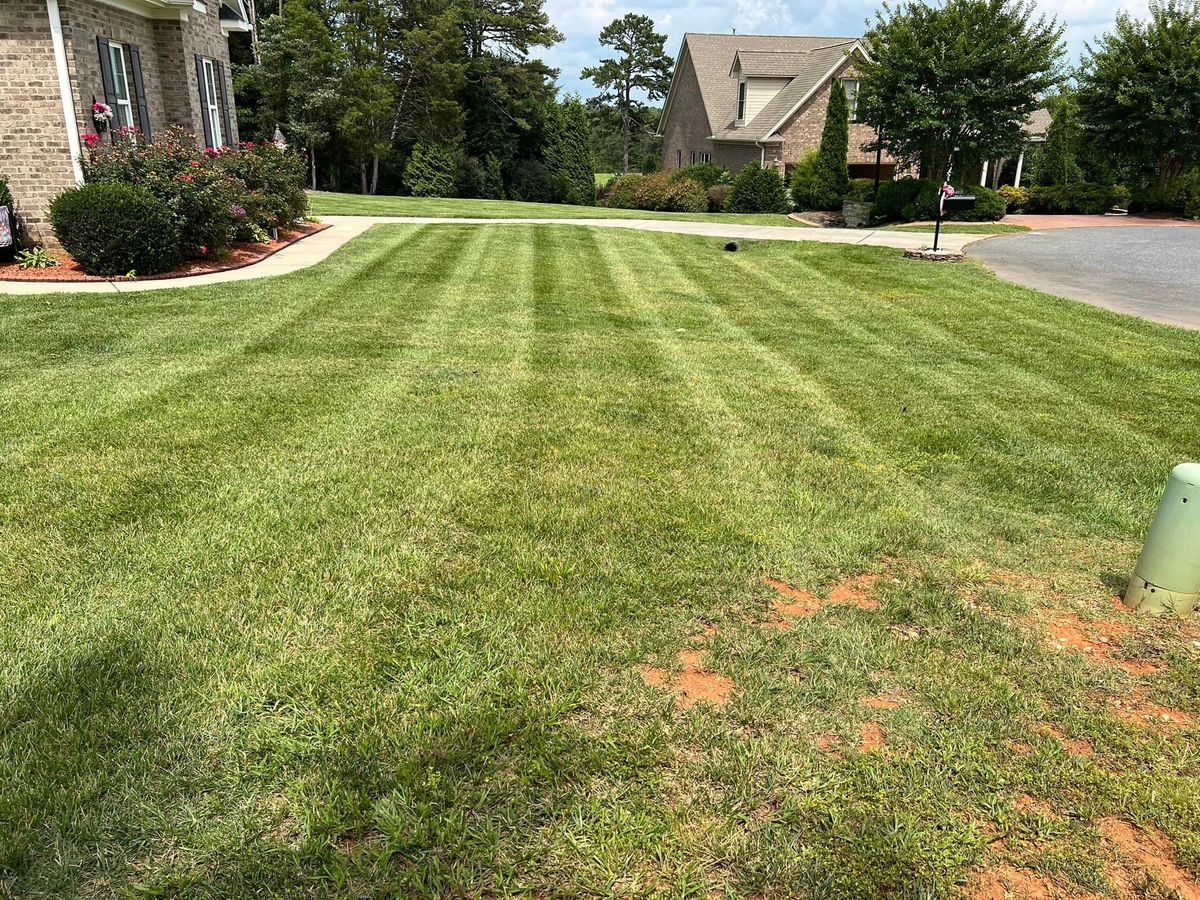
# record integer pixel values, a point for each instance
(713, 56)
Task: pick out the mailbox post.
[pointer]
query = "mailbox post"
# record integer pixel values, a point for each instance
(957, 202)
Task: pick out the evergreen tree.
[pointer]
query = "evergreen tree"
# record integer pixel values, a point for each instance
(569, 155)
(1057, 163)
(831, 176)
(430, 171)
(641, 67)
(493, 181)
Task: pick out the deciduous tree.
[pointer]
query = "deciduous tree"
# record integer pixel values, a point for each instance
(956, 81)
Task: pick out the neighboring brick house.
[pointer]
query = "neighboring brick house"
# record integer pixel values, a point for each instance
(739, 98)
(156, 63)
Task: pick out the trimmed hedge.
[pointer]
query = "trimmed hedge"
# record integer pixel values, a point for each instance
(708, 174)
(146, 240)
(1080, 198)
(757, 190)
(660, 192)
(621, 192)
(1180, 197)
(915, 200)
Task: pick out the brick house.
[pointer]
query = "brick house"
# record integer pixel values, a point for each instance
(739, 98)
(156, 63)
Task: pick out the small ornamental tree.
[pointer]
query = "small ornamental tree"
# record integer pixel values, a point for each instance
(1139, 88)
(956, 81)
(493, 181)
(830, 175)
(430, 171)
(1056, 163)
(757, 190)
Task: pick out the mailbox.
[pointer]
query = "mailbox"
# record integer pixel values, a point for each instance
(960, 203)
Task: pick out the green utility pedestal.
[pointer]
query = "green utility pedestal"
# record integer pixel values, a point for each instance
(1166, 580)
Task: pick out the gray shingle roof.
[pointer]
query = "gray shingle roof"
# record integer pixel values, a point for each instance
(713, 54)
(1037, 124)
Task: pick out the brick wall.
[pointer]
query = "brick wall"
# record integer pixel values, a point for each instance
(803, 131)
(33, 142)
(686, 129)
(34, 154)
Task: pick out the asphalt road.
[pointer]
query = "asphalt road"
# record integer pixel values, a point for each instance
(1149, 272)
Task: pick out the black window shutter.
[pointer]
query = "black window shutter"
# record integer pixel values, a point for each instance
(208, 136)
(219, 68)
(106, 74)
(139, 87)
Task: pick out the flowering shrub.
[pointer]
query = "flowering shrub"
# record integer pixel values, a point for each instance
(216, 196)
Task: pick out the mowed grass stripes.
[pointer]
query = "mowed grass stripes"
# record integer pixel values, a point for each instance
(343, 583)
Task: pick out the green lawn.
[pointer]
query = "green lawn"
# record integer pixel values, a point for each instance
(963, 227)
(603, 178)
(346, 583)
(325, 204)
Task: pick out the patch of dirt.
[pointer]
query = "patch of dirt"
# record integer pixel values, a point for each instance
(694, 684)
(1006, 882)
(1021, 747)
(707, 634)
(855, 592)
(1145, 851)
(795, 603)
(1146, 714)
(886, 700)
(1025, 802)
(1095, 640)
(1077, 746)
(826, 741)
(870, 737)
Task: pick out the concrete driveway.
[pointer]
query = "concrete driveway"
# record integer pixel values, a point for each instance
(1152, 272)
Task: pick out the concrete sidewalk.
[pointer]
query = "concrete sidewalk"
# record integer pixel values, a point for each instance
(318, 247)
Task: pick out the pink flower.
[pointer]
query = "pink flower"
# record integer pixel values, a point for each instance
(194, 164)
(185, 178)
(92, 141)
(203, 251)
(210, 152)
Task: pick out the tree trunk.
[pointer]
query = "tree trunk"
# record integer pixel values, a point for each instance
(374, 173)
(625, 131)
(312, 159)
(1169, 167)
(362, 175)
(252, 11)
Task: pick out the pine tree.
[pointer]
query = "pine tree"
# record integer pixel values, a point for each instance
(641, 67)
(430, 171)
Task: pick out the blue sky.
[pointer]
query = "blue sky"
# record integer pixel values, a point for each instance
(581, 21)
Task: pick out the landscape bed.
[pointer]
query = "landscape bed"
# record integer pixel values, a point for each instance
(534, 561)
(237, 257)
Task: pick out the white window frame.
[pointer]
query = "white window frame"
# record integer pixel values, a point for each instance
(123, 114)
(742, 91)
(851, 96)
(212, 102)
(705, 157)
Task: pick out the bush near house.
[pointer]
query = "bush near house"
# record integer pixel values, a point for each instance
(1180, 197)
(1079, 198)
(216, 196)
(621, 192)
(915, 200)
(757, 190)
(708, 174)
(147, 242)
(661, 192)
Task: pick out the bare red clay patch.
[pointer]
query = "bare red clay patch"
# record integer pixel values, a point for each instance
(886, 700)
(1097, 641)
(694, 684)
(707, 634)
(796, 603)
(826, 741)
(1005, 882)
(1021, 747)
(870, 737)
(1145, 851)
(1076, 746)
(855, 592)
(1145, 714)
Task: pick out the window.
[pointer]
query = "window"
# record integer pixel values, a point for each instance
(679, 159)
(851, 87)
(123, 110)
(705, 158)
(693, 157)
(741, 104)
(212, 103)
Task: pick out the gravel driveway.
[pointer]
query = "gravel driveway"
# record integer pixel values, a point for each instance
(1144, 271)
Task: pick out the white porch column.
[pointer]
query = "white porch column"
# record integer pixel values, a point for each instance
(1020, 166)
(983, 177)
(64, 88)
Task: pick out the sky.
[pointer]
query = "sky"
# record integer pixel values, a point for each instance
(581, 20)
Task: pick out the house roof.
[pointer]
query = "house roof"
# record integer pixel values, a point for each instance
(806, 60)
(1037, 124)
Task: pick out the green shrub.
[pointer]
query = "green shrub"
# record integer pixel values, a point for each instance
(1015, 198)
(1180, 197)
(830, 178)
(622, 191)
(1080, 198)
(915, 200)
(209, 203)
(707, 174)
(36, 258)
(804, 174)
(493, 180)
(146, 242)
(662, 192)
(757, 190)
(430, 170)
(532, 182)
(470, 177)
(861, 190)
(651, 163)
(273, 178)
(717, 195)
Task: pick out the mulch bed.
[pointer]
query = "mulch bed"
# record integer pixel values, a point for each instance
(238, 256)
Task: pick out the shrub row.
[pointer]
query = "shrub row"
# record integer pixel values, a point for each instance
(915, 200)
(1080, 198)
(659, 192)
(698, 188)
(1180, 197)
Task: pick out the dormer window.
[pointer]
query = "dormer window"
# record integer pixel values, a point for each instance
(741, 102)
